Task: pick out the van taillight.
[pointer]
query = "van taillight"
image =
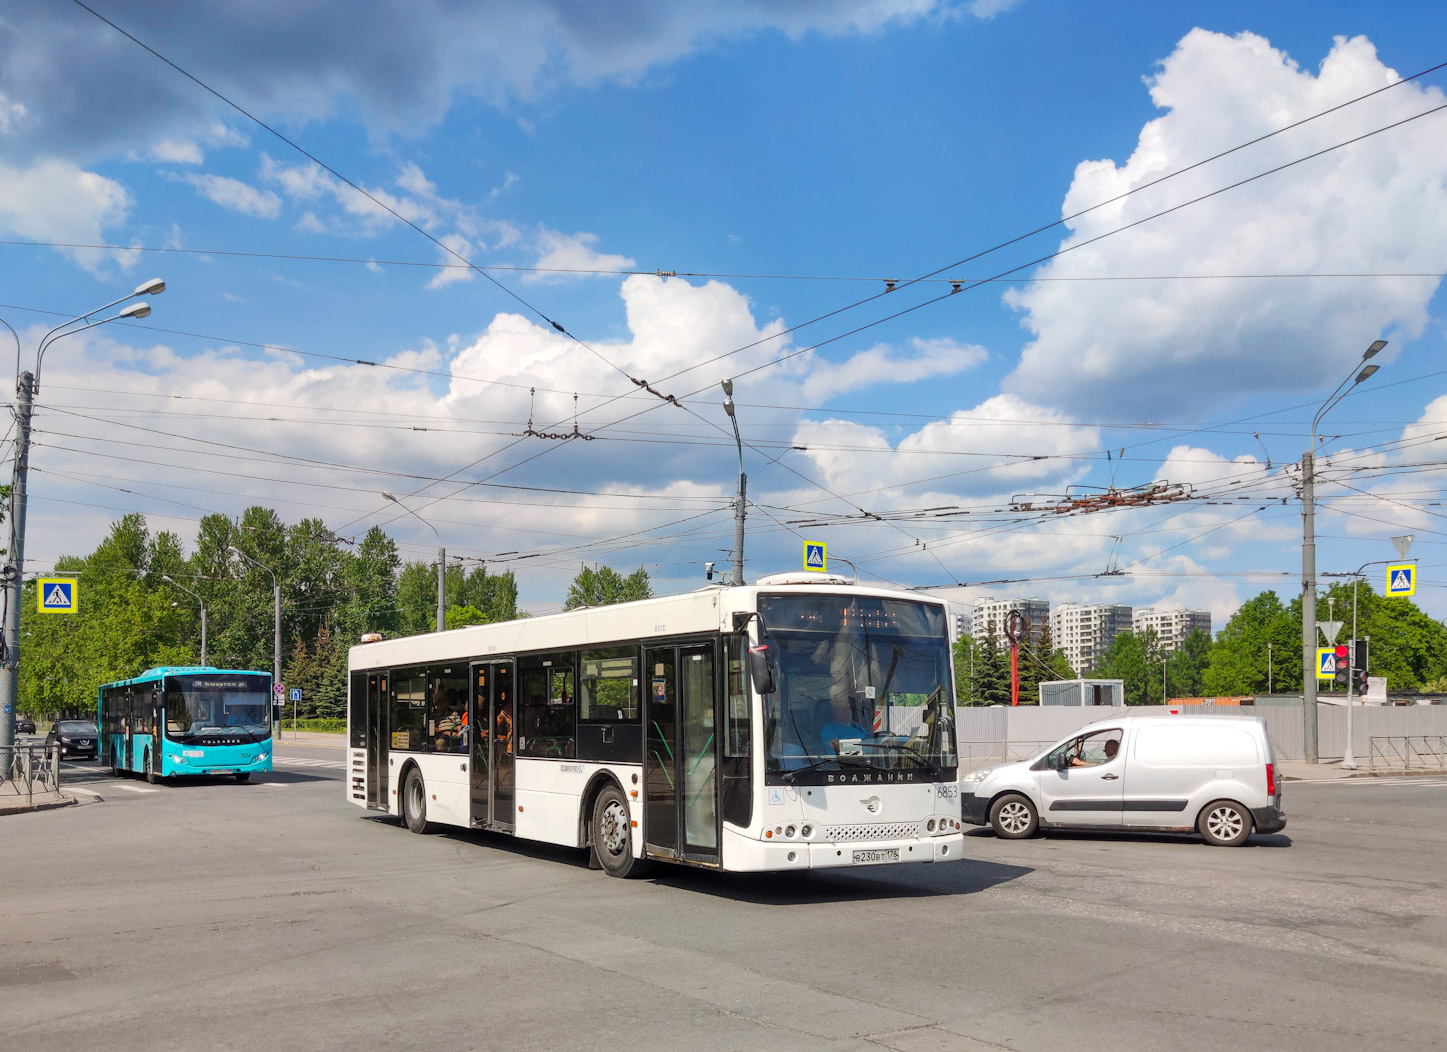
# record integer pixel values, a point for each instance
(1270, 780)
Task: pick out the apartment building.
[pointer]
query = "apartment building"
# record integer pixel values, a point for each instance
(1171, 626)
(989, 616)
(1085, 631)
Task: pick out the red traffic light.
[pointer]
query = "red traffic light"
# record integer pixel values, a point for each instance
(1341, 652)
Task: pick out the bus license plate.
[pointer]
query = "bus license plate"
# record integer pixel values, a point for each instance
(222, 770)
(864, 858)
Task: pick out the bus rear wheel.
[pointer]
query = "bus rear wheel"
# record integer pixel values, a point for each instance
(414, 801)
(613, 835)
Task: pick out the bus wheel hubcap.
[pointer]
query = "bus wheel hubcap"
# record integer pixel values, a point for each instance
(614, 828)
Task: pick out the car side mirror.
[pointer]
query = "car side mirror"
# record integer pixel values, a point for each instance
(761, 668)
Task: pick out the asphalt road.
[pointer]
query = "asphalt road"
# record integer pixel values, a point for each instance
(276, 915)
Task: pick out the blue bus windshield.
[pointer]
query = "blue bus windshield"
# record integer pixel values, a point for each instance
(212, 708)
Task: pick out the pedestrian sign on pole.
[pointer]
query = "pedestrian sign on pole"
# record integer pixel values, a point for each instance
(1325, 662)
(1402, 579)
(816, 556)
(58, 595)
(295, 694)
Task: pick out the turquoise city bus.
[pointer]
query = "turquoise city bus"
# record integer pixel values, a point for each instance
(186, 721)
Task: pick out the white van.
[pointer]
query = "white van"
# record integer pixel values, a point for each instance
(1211, 774)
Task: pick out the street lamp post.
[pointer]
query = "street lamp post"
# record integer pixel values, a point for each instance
(276, 636)
(200, 603)
(1268, 668)
(1308, 554)
(441, 562)
(27, 388)
(740, 502)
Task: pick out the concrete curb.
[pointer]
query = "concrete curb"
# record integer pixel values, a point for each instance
(19, 807)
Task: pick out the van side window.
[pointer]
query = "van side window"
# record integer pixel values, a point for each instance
(1089, 750)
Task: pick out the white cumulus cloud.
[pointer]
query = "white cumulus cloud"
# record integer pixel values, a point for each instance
(57, 201)
(1374, 207)
(236, 195)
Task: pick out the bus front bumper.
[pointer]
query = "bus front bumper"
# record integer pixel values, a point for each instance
(245, 763)
(745, 854)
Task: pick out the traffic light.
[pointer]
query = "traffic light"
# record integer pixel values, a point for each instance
(1342, 660)
(1362, 684)
(1360, 662)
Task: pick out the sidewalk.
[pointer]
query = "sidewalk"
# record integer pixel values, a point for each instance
(14, 804)
(311, 739)
(1331, 770)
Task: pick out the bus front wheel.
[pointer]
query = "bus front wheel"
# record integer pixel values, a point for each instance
(243, 776)
(613, 835)
(414, 801)
(151, 775)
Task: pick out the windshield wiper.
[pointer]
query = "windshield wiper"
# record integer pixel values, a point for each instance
(934, 768)
(789, 776)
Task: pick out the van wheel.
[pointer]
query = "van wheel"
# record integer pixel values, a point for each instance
(613, 835)
(1013, 817)
(414, 802)
(1224, 823)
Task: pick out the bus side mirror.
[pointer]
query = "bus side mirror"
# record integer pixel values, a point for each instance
(761, 668)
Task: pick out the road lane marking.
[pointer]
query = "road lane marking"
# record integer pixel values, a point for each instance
(87, 792)
(137, 789)
(293, 761)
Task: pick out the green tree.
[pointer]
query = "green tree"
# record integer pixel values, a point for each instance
(1238, 661)
(1129, 659)
(369, 600)
(603, 585)
(1186, 667)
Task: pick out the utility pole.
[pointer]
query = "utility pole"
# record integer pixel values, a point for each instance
(10, 667)
(1308, 555)
(740, 502)
(27, 387)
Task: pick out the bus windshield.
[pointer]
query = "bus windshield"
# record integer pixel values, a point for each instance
(216, 709)
(863, 684)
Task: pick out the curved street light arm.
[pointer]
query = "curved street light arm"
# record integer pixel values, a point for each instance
(419, 518)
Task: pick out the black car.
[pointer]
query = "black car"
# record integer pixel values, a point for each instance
(76, 738)
(24, 725)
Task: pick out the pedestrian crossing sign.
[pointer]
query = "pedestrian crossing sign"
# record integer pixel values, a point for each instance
(1402, 579)
(1325, 662)
(816, 556)
(58, 595)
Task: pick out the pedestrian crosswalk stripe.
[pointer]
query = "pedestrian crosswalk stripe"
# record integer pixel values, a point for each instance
(297, 761)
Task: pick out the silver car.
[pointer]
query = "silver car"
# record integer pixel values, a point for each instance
(1214, 775)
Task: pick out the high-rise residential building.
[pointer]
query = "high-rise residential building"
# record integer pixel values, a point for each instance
(990, 613)
(1085, 631)
(1171, 626)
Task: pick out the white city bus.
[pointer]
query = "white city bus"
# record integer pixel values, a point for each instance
(802, 722)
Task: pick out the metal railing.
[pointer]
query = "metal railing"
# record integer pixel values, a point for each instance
(977, 754)
(32, 769)
(1407, 752)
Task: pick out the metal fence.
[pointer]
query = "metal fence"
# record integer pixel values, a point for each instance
(32, 769)
(1407, 752)
(999, 726)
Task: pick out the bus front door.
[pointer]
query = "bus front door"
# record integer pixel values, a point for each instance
(491, 714)
(680, 817)
(377, 742)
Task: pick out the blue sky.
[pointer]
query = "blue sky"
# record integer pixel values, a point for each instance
(753, 149)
